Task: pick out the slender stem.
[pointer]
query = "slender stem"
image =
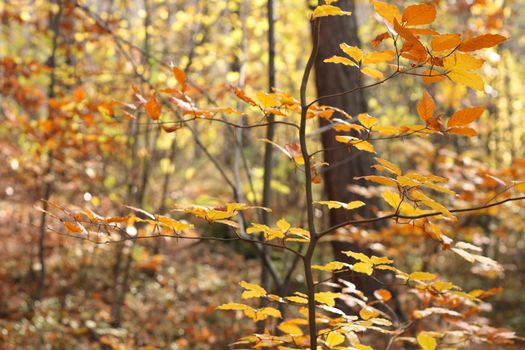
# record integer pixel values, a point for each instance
(307, 260)
(414, 217)
(47, 190)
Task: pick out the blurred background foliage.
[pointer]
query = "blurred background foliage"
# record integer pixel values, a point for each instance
(68, 68)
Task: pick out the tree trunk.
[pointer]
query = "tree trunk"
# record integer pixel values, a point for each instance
(344, 164)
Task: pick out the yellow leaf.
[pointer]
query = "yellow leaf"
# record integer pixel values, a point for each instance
(330, 267)
(332, 204)
(421, 276)
(270, 311)
(267, 99)
(462, 61)
(389, 166)
(481, 42)
(334, 339)
(327, 298)
(252, 290)
(368, 312)
(371, 72)
(352, 51)
(290, 327)
(420, 196)
(520, 187)
(392, 198)
(426, 341)
(358, 256)
(387, 130)
(366, 120)
(426, 107)
(439, 188)
(354, 205)
(357, 143)
(465, 116)
(419, 14)
(362, 347)
(283, 225)
(469, 79)
(234, 306)
(297, 231)
(380, 180)
(173, 224)
(363, 145)
(379, 57)
(387, 11)
(377, 260)
(363, 267)
(329, 10)
(445, 41)
(342, 60)
(297, 299)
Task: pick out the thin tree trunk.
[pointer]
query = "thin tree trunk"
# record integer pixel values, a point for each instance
(47, 188)
(344, 164)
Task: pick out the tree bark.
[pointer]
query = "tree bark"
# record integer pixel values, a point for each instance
(344, 164)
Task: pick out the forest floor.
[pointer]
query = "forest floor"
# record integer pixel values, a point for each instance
(171, 303)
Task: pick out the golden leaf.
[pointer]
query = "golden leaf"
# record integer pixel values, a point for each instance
(379, 57)
(366, 120)
(368, 312)
(371, 72)
(342, 60)
(421, 276)
(334, 339)
(363, 267)
(387, 11)
(426, 341)
(252, 290)
(331, 266)
(329, 10)
(352, 51)
(327, 298)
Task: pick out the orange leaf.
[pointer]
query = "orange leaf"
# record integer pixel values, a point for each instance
(379, 38)
(419, 14)
(465, 116)
(432, 76)
(459, 130)
(426, 107)
(383, 294)
(72, 227)
(379, 57)
(445, 42)
(242, 95)
(153, 107)
(412, 47)
(180, 76)
(481, 42)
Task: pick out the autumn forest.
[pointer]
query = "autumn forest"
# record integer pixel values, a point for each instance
(262, 174)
